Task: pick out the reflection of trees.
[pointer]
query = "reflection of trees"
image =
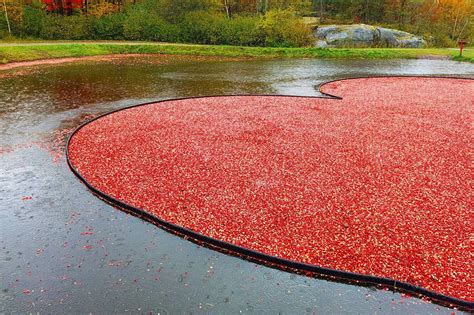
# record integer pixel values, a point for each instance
(63, 87)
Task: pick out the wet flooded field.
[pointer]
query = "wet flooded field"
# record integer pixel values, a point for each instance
(64, 250)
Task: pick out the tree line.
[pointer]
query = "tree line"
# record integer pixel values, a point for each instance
(233, 22)
(443, 22)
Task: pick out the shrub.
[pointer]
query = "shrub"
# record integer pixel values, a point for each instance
(202, 27)
(140, 24)
(64, 27)
(283, 28)
(243, 31)
(133, 24)
(151, 20)
(107, 27)
(158, 29)
(175, 11)
(215, 28)
(33, 21)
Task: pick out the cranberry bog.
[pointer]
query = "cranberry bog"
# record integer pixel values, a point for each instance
(371, 183)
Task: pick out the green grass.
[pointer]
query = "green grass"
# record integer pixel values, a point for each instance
(27, 51)
(467, 56)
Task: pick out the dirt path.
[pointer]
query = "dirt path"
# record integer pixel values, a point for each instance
(19, 64)
(161, 59)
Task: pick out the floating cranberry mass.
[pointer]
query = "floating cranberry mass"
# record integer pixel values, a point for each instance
(377, 182)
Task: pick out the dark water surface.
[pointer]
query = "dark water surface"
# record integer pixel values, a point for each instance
(64, 250)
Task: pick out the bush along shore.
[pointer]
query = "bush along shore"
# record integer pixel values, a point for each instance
(151, 20)
(28, 51)
(263, 23)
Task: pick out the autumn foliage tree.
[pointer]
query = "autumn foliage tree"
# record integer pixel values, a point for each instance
(63, 6)
(12, 13)
(454, 17)
(442, 22)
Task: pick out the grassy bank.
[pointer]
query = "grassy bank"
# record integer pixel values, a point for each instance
(17, 52)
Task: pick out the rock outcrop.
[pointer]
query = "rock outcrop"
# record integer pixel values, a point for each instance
(361, 35)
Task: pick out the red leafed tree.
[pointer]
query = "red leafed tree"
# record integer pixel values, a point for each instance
(63, 6)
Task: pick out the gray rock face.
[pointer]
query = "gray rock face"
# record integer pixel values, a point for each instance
(412, 43)
(321, 44)
(361, 35)
(322, 32)
(395, 38)
(389, 36)
(356, 36)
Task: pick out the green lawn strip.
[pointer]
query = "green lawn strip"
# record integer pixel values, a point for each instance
(41, 51)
